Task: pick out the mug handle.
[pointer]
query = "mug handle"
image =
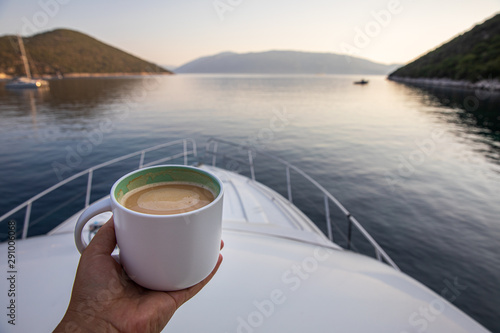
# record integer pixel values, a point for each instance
(91, 211)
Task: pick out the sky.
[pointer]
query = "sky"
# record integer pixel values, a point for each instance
(174, 32)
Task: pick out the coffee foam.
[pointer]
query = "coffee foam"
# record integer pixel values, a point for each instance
(167, 198)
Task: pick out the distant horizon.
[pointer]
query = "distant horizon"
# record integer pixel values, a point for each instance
(381, 31)
(207, 55)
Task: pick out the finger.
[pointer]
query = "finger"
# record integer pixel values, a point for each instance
(182, 296)
(216, 268)
(104, 241)
(221, 244)
(190, 292)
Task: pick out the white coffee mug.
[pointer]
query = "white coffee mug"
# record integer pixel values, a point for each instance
(163, 252)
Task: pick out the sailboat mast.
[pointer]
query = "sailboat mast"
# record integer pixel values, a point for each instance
(23, 56)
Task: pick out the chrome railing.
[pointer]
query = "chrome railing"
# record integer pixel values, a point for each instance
(188, 149)
(212, 151)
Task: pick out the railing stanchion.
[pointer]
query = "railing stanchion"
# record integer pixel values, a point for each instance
(26, 221)
(141, 161)
(289, 184)
(193, 143)
(250, 160)
(214, 156)
(89, 188)
(349, 231)
(184, 146)
(328, 221)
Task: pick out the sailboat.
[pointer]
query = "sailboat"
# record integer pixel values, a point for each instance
(26, 82)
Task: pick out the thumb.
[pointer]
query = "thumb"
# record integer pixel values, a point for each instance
(104, 241)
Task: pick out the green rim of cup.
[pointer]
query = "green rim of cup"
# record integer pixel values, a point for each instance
(162, 174)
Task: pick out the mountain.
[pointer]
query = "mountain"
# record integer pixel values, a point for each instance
(67, 51)
(284, 62)
(472, 56)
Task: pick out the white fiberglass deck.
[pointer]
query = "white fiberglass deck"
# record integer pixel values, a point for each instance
(280, 274)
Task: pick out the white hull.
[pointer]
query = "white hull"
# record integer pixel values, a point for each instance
(25, 83)
(280, 274)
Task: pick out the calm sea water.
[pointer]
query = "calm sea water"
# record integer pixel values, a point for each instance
(418, 167)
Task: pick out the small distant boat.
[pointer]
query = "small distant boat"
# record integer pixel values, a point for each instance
(26, 82)
(363, 81)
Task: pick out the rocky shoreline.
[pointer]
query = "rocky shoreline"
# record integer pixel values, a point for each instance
(483, 84)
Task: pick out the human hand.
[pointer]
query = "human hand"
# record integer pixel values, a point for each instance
(105, 299)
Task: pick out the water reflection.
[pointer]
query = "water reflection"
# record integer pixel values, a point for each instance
(31, 97)
(473, 112)
(76, 98)
(69, 109)
(20, 102)
(86, 94)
